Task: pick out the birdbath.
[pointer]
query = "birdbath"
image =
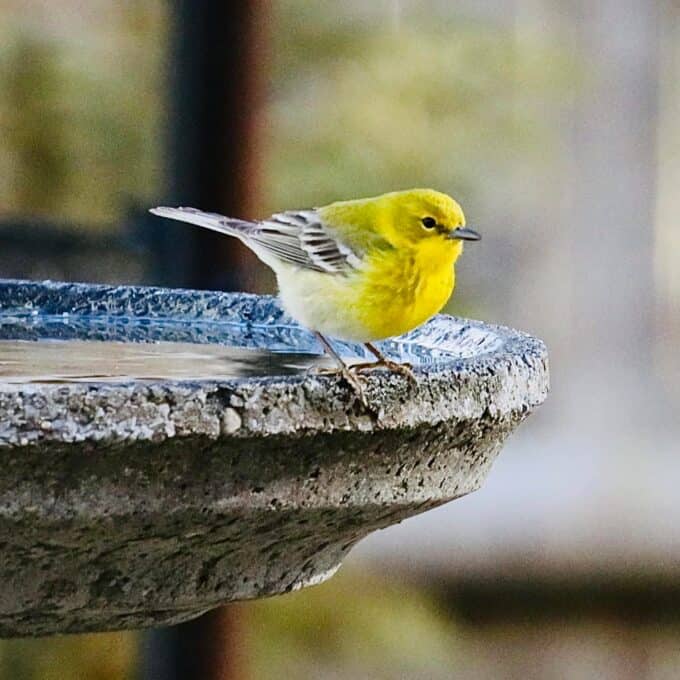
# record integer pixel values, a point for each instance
(166, 451)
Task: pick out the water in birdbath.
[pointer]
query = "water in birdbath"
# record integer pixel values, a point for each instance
(121, 335)
(23, 361)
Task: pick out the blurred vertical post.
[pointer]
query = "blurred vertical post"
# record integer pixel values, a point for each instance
(208, 648)
(218, 55)
(217, 79)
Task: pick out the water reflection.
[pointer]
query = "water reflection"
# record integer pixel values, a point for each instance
(23, 361)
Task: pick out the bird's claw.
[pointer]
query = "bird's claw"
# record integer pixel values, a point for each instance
(354, 381)
(404, 369)
(352, 375)
(351, 378)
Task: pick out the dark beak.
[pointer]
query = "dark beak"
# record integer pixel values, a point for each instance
(464, 234)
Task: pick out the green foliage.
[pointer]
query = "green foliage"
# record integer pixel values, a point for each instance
(80, 119)
(356, 626)
(110, 656)
(36, 143)
(364, 106)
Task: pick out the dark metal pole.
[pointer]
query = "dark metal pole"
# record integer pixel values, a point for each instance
(215, 118)
(213, 160)
(208, 648)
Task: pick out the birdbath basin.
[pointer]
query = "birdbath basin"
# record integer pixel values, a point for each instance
(165, 451)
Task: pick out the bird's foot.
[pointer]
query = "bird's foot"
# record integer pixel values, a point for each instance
(404, 369)
(351, 377)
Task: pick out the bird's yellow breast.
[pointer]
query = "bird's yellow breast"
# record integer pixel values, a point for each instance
(404, 290)
(392, 293)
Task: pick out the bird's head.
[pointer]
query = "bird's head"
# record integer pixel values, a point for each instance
(426, 216)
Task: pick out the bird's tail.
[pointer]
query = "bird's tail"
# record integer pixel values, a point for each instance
(213, 221)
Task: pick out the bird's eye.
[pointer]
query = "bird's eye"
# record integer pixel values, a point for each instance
(429, 222)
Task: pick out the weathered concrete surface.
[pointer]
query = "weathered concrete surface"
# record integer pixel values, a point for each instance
(144, 504)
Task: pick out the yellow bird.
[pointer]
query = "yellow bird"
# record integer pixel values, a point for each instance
(361, 270)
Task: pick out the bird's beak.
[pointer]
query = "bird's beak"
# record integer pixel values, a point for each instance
(464, 234)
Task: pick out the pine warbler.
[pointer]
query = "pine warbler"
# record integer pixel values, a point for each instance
(361, 270)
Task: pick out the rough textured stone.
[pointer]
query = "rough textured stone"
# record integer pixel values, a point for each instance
(147, 503)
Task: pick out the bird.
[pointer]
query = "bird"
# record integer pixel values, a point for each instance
(360, 270)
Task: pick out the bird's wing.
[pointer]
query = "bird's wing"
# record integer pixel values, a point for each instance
(302, 238)
(298, 238)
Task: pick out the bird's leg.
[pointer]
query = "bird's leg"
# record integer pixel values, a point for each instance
(343, 369)
(404, 369)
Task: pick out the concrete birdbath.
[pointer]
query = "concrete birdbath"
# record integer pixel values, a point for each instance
(165, 451)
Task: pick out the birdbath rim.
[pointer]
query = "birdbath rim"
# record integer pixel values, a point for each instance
(445, 351)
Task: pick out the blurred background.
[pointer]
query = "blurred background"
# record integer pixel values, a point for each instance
(556, 124)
